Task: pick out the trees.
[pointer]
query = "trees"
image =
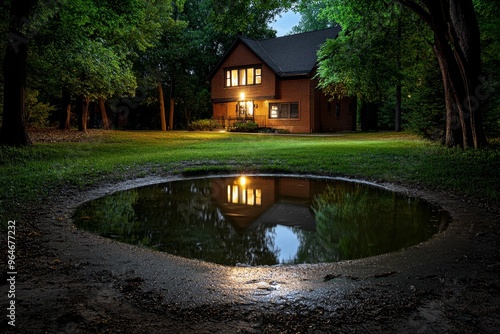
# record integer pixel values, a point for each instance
(457, 47)
(368, 57)
(93, 50)
(455, 42)
(87, 49)
(310, 19)
(489, 23)
(192, 42)
(13, 130)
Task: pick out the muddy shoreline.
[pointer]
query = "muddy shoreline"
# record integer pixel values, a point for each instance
(70, 281)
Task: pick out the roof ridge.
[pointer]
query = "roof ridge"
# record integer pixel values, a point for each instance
(270, 57)
(244, 39)
(297, 34)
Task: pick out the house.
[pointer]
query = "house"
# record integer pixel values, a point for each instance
(272, 82)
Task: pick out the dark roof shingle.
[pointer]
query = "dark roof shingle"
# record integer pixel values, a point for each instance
(293, 54)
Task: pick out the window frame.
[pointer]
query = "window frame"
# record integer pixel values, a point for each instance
(238, 76)
(280, 110)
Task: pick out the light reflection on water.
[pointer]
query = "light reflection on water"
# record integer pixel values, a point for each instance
(263, 220)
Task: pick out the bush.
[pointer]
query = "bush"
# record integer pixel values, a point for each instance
(203, 125)
(37, 112)
(245, 127)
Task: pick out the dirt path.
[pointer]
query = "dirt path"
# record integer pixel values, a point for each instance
(70, 281)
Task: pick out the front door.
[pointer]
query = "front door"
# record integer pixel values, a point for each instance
(244, 109)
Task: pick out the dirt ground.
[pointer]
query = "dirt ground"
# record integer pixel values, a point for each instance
(70, 281)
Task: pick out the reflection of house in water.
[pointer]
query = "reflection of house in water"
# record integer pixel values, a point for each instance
(248, 201)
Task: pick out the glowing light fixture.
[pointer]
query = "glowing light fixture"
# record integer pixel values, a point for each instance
(242, 96)
(242, 181)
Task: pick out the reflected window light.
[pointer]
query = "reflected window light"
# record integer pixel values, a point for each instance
(258, 197)
(235, 195)
(243, 196)
(250, 197)
(229, 194)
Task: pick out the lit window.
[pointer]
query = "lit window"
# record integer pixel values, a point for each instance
(283, 110)
(250, 76)
(243, 76)
(258, 76)
(234, 78)
(274, 111)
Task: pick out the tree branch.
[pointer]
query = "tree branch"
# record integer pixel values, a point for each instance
(417, 9)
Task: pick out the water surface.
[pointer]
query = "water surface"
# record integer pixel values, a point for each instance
(257, 220)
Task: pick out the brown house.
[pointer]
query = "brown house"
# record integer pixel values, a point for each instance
(272, 82)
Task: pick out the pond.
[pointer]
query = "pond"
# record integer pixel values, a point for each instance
(263, 220)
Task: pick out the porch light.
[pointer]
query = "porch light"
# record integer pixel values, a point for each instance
(242, 96)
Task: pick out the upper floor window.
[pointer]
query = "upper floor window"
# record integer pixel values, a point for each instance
(243, 76)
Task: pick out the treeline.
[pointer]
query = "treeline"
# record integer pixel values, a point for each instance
(128, 63)
(431, 67)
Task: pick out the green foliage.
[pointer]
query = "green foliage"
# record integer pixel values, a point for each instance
(250, 17)
(489, 21)
(203, 125)
(37, 113)
(310, 19)
(193, 41)
(365, 51)
(383, 45)
(88, 46)
(352, 225)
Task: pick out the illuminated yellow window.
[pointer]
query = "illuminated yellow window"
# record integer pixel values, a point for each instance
(243, 77)
(258, 76)
(250, 76)
(234, 78)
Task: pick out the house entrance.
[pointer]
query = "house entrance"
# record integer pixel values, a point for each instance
(244, 109)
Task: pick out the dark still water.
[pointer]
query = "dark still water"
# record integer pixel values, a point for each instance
(257, 220)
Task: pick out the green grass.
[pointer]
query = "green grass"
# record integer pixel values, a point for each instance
(34, 173)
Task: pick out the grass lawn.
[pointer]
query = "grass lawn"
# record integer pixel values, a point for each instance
(33, 173)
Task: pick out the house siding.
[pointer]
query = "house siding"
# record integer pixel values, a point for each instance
(293, 91)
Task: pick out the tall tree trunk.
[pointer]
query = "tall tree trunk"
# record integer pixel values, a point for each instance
(171, 114)
(397, 118)
(13, 130)
(172, 108)
(458, 50)
(104, 114)
(163, 119)
(64, 122)
(83, 113)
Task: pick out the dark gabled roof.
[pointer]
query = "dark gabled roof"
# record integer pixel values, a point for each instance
(294, 54)
(291, 55)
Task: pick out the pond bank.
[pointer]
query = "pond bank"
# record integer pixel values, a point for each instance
(72, 281)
